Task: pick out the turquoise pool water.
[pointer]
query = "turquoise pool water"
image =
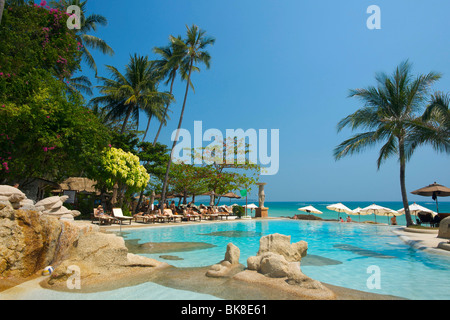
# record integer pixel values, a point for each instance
(339, 254)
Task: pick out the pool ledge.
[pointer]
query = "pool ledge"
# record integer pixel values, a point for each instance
(424, 241)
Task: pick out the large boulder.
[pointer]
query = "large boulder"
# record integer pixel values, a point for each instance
(53, 206)
(31, 241)
(278, 258)
(229, 265)
(281, 244)
(12, 195)
(444, 228)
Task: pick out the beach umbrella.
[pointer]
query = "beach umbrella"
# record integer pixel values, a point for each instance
(339, 207)
(434, 191)
(310, 209)
(357, 211)
(377, 211)
(231, 195)
(250, 206)
(415, 209)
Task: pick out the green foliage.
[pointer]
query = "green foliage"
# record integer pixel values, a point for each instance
(238, 211)
(121, 171)
(187, 179)
(124, 95)
(49, 135)
(35, 39)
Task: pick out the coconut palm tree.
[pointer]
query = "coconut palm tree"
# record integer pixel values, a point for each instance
(439, 111)
(124, 95)
(79, 85)
(390, 115)
(88, 24)
(194, 53)
(433, 128)
(170, 64)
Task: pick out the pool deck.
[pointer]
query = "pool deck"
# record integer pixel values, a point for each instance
(426, 240)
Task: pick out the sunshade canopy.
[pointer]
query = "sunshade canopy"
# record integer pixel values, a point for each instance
(339, 207)
(433, 189)
(310, 209)
(415, 209)
(231, 195)
(378, 210)
(357, 211)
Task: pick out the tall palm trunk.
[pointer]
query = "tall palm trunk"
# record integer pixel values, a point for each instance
(141, 195)
(163, 194)
(2, 6)
(165, 114)
(148, 126)
(126, 119)
(402, 181)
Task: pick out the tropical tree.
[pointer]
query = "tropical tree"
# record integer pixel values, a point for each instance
(169, 65)
(391, 116)
(121, 172)
(124, 95)
(435, 129)
(194, 53)
(89, 23)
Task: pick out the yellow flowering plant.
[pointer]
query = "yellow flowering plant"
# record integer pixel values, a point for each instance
(122, 171)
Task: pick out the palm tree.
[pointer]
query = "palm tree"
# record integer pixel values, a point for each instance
(390, 116)
(433, 127)
(125, 95)
(194, 53)
(171, 63)
(439, 111)
(79, 85)
(88, 24)
(157, 108)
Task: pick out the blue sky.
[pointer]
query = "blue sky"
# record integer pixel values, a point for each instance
(289, 65)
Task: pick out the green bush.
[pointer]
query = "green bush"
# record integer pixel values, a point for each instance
(238, 211)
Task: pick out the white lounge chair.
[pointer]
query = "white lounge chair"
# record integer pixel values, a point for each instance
(118, 214)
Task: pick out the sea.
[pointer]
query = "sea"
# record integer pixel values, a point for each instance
(290, 208)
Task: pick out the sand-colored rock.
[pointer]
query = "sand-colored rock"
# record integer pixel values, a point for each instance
(229, 266)
(444, 228)
(100, 257)
(282, 286)
(281, 244)
(278, 259)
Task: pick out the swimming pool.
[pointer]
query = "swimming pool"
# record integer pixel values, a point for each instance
(339, 254)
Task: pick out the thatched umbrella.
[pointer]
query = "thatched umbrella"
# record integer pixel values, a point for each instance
(231, 195)
(434, 191)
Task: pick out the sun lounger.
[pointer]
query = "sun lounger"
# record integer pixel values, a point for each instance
(145, 218)
(118, 214)
(213, 216)
(223, 215)
(192, 217)
(102, 219)
(175, 218)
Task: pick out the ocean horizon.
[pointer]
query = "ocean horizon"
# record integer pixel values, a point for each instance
(290, 208)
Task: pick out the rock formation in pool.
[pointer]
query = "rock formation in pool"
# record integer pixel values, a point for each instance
(34, 237)
(276, 265)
